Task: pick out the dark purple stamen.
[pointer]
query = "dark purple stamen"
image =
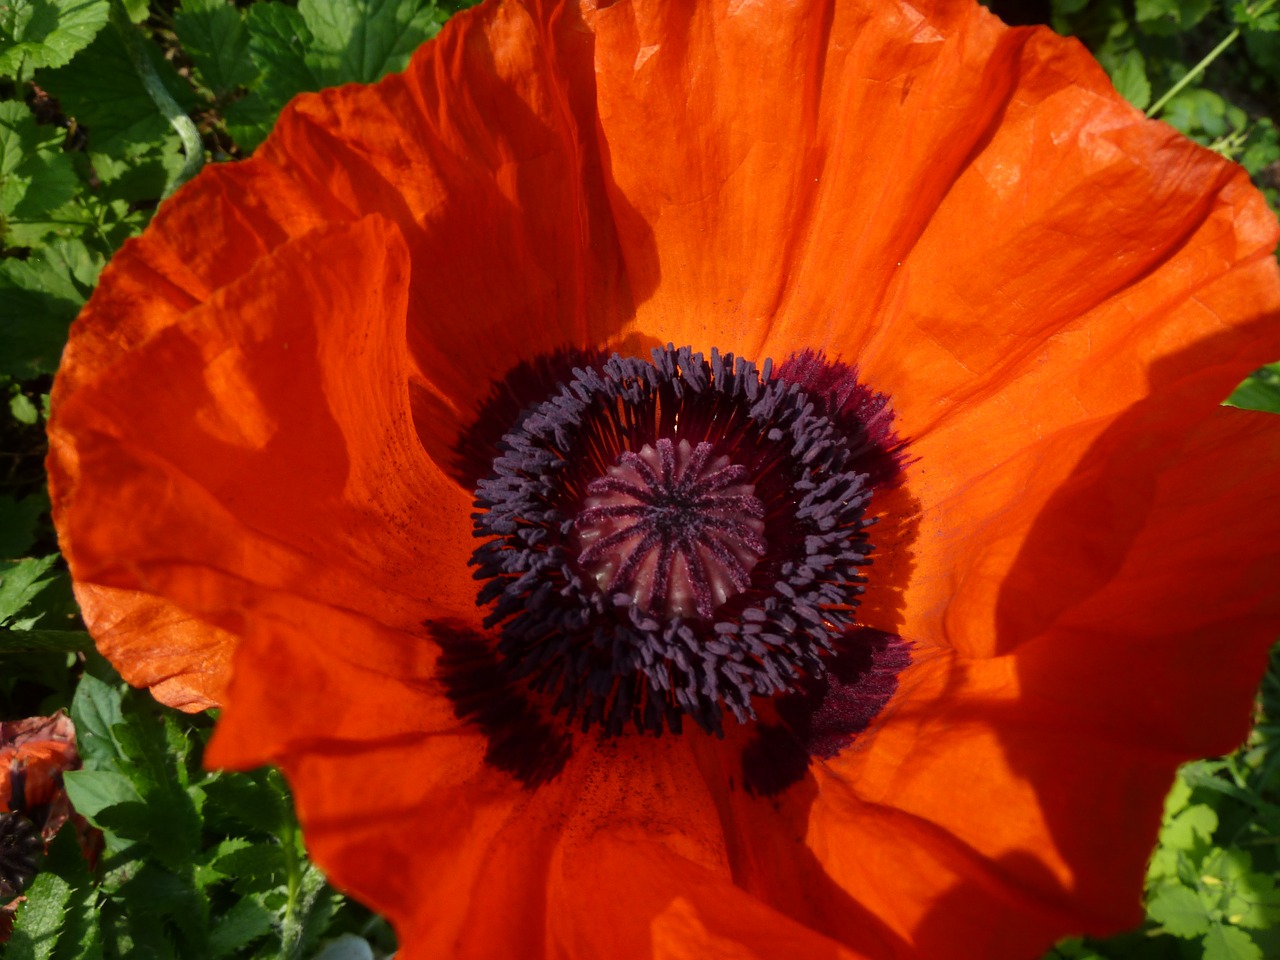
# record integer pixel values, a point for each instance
(672, 538)
(20, 846)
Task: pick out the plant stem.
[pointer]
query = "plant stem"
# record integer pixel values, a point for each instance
(1194, 72)
(1208, 58)
(168, 107)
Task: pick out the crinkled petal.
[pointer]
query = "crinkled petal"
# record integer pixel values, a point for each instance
(283, 457)
(482, 153)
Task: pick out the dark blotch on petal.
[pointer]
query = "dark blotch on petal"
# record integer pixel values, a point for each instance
(521, 743)
(863, 415)
(829, 713)
(512, 398)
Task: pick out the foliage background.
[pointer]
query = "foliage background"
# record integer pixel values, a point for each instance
(106, 106)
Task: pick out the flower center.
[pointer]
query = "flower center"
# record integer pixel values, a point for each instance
(672, 539)
(673, 526)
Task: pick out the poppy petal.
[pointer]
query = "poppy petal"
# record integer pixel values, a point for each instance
(184, 660)
(903, 823)
(1000, 573)
(509, 147)
(270, 379)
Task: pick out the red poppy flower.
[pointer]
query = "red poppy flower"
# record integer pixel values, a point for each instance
(1004, 310)
(34, 753)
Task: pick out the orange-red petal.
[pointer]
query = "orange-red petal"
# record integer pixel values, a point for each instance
(283, 457)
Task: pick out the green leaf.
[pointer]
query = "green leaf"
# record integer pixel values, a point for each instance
(36, 177)
(1130, 79)
(35, 312)
(39, 921)
(250, 118)
(44, 641)
(1192, 827)
(1229, 943)
(20, 582)
(153, 892)
(1179, 910)
(92, 792)
(103, 92)
(18, 520)
(1261, 391)
(46, 33)
(256, 867)
(1198, 111)
(23, 410)
(1169, 17)
(174, 826)
(363, 40)
(213, 34)
(321, 44)
(205, 871)
(278, 42)
(246, 921)
(80, 936)
(95, 711)
(257, 800)
(39, 298)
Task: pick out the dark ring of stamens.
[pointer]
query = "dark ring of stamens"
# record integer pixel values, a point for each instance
(598, 653)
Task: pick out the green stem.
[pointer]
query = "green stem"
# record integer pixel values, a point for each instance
(1208, 58)
(168, 107)
(1194, 72)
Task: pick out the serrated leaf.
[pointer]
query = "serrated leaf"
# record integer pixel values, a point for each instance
(39, 920)
(174, 827)
(36, 177)
(321, 44)
(1179, 910)
(153, 892)
(80, 936)
(20, 583)
(39, 297)
(256, 800)
(1193, 826)
(278, 42)
(94, 791)
(250, 118)
(363, 40)
(246, 921)
(1130, 79)
(214, 35)
(259, 866)
(205, 871)
(47, 33)
(1229, 943)
(103, 92)
(95, 710)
